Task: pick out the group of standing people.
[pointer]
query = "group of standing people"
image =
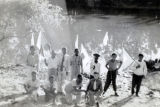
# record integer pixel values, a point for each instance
(58, 71)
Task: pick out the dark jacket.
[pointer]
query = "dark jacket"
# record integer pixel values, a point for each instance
(90, 86)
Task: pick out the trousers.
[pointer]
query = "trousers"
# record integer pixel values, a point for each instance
(111, 77)
(136, 83)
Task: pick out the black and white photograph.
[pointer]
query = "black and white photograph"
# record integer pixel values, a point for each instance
(79, 53)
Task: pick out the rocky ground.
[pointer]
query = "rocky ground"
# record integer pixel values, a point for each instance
(13, 77)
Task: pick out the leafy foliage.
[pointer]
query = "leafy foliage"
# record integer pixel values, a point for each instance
(19, 20)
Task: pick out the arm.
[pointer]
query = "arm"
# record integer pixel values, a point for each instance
(70, 61)
(81, 64)
(75, 88)
(88, 86)
(134, 66)
(107, 65)
(45, 61)
(99, 68)
(29, 89)
(120, 65)
(37, 63)
(26, 87)
(48, 91)
(27, 61)
(44, 89)
(33, 89)
(100, 88)
(91, 67)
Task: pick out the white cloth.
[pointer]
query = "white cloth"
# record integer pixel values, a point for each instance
(94, 67)
(140, 71)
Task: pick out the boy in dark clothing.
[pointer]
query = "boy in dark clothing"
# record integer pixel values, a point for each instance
(113, 66)
(94, 89)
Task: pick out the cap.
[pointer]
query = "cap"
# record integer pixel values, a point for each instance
(141, 55)
(96, 55)
(114, 54)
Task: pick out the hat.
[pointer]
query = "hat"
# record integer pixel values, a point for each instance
(96, 55)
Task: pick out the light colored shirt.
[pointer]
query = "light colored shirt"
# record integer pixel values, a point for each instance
(94, 67)
(113, 65)
(32, 60)
(142, 70)
(76, 62)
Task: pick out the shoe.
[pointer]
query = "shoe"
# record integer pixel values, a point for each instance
(116, 95)
(97, 104)
(137, 95)
(103, 92)
(132, 94)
